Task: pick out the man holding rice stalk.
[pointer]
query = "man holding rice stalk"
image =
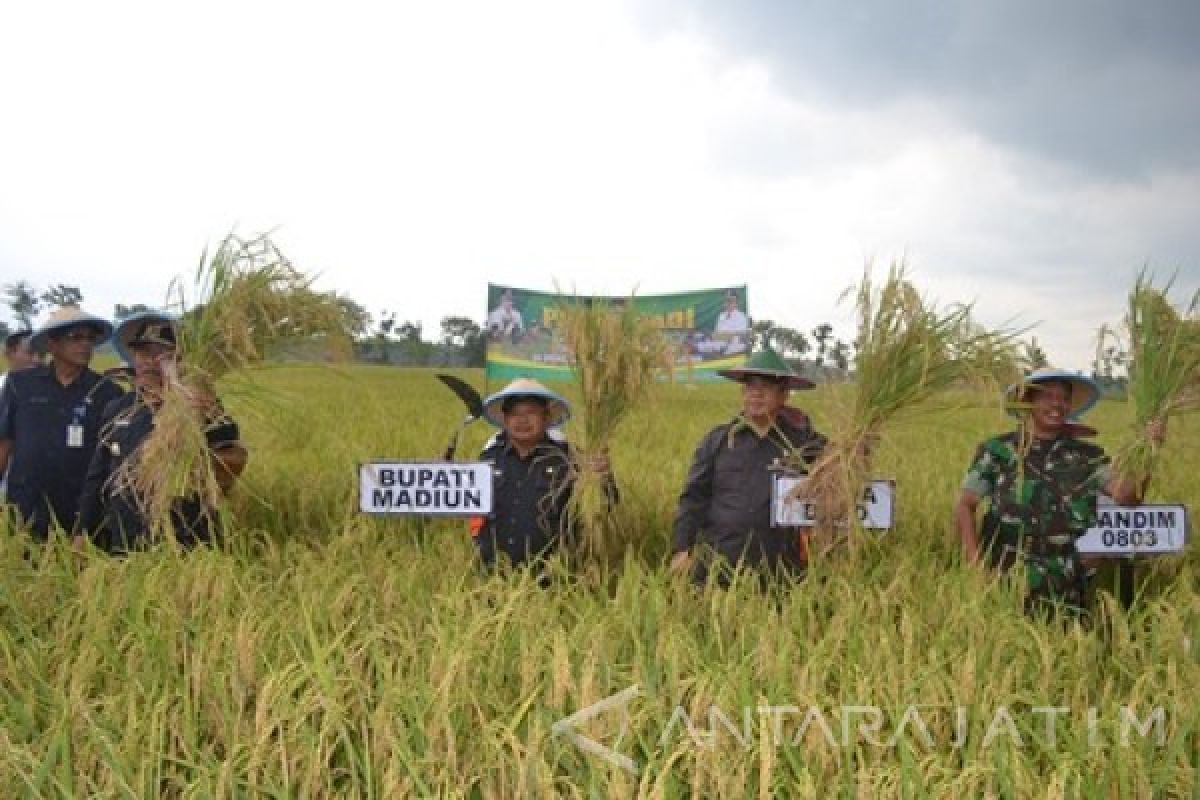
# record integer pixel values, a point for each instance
(725, 505)
(1041, 483)
(533, 473)
(111, 512)
(50, 420)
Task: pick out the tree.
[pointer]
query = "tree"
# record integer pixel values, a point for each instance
(386, 322)
(762, 333)
(414, 350)
(464, 334)
(409, 331)
(23, 299)
(4, 329)
(383, 332)
(62, 295)
(1113, 357)
(791, 343)
(822, 334)
(355, 317)
(457, 331)
(121, 311)
(840, 355)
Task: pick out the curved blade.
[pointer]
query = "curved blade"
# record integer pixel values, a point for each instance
(465, 392)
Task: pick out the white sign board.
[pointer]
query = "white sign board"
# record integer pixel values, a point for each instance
(875, 511)
(1136, 530)
(442, 488)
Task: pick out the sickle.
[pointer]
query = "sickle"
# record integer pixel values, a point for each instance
(471, 400)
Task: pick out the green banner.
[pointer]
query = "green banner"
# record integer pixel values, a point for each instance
(710, 329)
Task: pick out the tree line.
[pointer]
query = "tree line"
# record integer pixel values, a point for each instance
(386, 338)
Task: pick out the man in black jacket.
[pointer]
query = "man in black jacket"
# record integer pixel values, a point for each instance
(110, 513)
(532, 474)
(725, 505)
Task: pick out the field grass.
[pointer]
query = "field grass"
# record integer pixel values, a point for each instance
(326, 654)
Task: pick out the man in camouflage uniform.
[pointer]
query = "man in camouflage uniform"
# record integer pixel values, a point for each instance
(1041, 482)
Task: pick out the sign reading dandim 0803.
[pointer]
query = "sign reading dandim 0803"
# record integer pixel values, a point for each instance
(1135, 530)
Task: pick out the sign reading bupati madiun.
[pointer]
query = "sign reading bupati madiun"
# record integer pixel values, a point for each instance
(436, 488)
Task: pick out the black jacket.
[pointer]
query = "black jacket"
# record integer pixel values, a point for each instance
(529, 501)
(726, 500)
(109, 513)
(46, 471)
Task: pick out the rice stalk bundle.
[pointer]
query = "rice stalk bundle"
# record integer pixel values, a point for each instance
(249, 300)
(908, 353)
(618, 357)
(1164, 370)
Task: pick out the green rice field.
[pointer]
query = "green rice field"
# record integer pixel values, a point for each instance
(322, 653)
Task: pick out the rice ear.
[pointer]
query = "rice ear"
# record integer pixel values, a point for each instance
(1164, 370)
(248, 301)
(909, 354)
(617, 357)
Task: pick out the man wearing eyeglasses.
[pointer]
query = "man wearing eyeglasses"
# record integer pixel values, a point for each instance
(50, 421)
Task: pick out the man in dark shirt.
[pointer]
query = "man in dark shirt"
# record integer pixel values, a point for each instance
(1041, 484)
(725, 505)
(532, 476)
(19, 355)
(18, 352)
(109, 512)
(50, 421)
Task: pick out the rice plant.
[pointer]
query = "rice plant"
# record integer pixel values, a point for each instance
(908, 354)
(247, 299)
(335, 655)
(1164, 370)
(618, 357)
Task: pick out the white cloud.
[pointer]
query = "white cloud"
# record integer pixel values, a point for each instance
(412, 152)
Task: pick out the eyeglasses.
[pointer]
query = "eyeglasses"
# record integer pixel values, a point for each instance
(89, 336)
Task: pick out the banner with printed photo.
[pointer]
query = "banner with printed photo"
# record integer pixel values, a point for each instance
(710, 328)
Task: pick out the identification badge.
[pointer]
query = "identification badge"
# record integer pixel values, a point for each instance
(74, 436)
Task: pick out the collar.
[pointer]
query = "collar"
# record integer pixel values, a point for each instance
(786, 423)
(761, 431)
(781, 432)
(46, 372)
(507, 446)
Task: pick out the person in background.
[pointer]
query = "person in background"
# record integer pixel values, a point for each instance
(50, 421)
(18, 355)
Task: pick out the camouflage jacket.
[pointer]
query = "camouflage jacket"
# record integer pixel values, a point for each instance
(1038, 504)
(1043, 502)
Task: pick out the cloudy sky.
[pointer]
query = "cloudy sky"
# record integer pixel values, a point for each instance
(1027, 156)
